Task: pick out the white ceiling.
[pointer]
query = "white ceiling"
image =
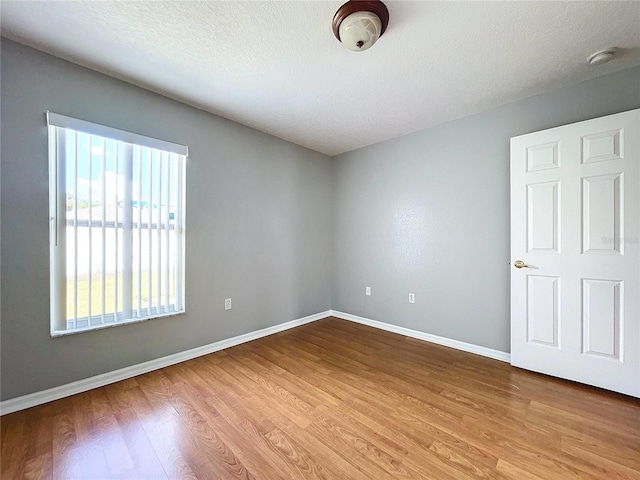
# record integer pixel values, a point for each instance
(276, 66)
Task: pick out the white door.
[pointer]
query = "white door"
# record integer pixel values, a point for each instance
(575, 218)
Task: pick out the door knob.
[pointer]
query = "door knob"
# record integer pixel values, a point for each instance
(520, 264)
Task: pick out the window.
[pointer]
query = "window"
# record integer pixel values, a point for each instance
(117, 204)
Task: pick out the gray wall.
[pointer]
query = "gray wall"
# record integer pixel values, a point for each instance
(429, 213)
(426, 213)
(258, 225)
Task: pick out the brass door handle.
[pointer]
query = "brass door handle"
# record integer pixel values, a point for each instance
(520, 264)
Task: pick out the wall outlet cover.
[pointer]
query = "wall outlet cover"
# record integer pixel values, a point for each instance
(227, 304)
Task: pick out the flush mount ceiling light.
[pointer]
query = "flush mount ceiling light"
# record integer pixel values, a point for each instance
(601, 56)
(359, 23)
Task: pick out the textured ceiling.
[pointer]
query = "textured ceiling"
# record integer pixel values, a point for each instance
(276, 66)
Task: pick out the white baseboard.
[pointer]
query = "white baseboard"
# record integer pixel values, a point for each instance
(38, 398)
(407, 332)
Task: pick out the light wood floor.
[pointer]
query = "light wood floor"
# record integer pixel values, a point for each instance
(331, 399)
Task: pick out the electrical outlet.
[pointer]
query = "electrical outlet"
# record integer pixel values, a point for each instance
(412, 298)
(367, 291)
(227, 304)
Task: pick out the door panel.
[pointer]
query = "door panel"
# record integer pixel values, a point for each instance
(575, 218)
(601, 317)
(542, 157)
(543, 325)
(602, 218)
(543, 216)
(601, 146)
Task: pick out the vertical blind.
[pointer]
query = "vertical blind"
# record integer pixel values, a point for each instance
(117, 203)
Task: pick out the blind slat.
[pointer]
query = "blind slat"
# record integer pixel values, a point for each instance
(149, 236)
(90, 286)
(75, 232)
(179, 235)
(167, 179)
(139, 158)
(159, 236)
(103, 252)
(116, 268)
(127, 234)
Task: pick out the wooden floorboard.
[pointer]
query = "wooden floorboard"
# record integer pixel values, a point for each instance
(335, 400)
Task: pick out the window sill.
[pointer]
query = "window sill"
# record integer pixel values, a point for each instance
(64, 333)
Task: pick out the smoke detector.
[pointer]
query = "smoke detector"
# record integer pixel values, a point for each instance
(601, 56)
